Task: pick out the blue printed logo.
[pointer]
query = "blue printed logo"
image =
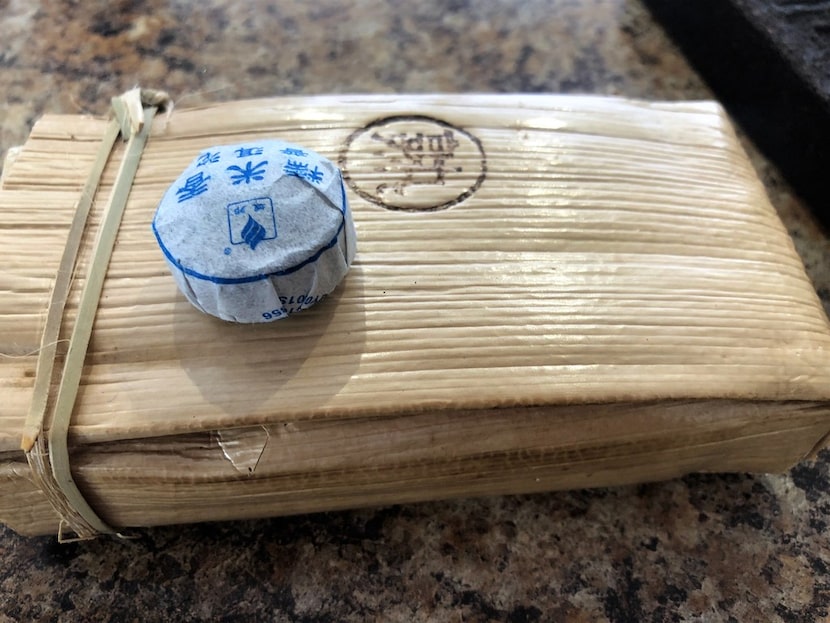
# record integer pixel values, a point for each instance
(253, 233)
(252, 221)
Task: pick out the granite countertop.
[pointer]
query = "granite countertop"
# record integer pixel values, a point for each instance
(738, 547)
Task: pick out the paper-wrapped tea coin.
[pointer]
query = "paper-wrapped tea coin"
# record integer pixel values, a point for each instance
(257, 231)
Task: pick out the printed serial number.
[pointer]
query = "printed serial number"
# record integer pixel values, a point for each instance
(291, 305)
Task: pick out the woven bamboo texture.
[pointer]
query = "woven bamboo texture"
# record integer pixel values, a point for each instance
(549, 292)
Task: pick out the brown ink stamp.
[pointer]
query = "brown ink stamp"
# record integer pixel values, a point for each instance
(413, 163)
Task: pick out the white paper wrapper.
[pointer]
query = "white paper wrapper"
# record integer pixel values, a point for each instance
(257, 231)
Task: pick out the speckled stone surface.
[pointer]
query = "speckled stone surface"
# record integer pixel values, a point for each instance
(735, 548)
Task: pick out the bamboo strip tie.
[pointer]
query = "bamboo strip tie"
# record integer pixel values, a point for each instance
(48, 455)
(617, 302)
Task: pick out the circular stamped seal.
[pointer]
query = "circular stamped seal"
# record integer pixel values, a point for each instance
(413, 163)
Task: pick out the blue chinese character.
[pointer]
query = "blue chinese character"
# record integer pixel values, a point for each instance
(315, 175)
(290, 151)
(250, 172)
(239, 210)
(193, 186)
(259, 207)
(296, 168)
(245, 152)
(206, 158)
